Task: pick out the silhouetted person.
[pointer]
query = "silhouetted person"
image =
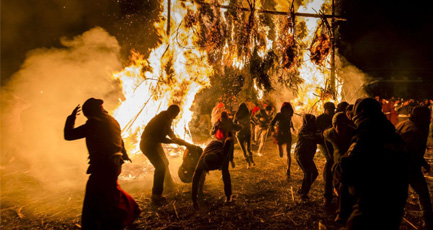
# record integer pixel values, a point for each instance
(341, 107)
(282, 131)
(216, 156)
(106, 205)
(340, 136)
(375, 169)
(223, 129)
(305, 150)
(157, 132)
(414, 133)
(324, 121)
(403, 110)
(243, 118)
(349, 111)
(262, 119)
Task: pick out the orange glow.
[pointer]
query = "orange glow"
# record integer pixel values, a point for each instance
(150, 87)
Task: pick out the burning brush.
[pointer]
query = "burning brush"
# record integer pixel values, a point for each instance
(320, 48)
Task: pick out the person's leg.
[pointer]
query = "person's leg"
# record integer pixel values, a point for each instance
(289, 157)
(90, 217)
(227, 180)
(168, 179)
(280, 150)
(261, 137)
(201, 184)
(241, 141)
(250, 153)
(306, 181)
(155, 159)
(418, 183)
(327, 175)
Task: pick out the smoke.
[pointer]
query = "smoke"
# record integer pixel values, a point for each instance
(36, 102)
(352, 80)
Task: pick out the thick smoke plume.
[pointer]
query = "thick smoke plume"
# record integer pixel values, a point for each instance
(34, 107)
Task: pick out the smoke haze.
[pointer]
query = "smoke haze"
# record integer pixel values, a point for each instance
(36, 102)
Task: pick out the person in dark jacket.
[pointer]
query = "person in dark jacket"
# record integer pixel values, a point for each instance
(375, 169)
(340, 136)
(157, 132)
(304, 152)
(216, 156)
(324, 121)
(106, 205)
(415, 133)
(243, 119)
(282, 126)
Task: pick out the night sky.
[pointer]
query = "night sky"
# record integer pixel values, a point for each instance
(386, 38)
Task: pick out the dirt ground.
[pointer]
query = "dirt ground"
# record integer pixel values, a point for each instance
(263, 198)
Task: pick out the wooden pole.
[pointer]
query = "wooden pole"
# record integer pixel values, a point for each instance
(271, 11)
(332, 77)
(169, 17)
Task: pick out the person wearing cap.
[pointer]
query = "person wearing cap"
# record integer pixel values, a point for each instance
(340, 136)
(106, 205)
(216, 156)
(415, 133)
(157, 132)
(375, 170)
(324, 121)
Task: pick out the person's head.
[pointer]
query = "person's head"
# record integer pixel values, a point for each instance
(341, 107)
(377, 98)
(219, 105)
(287, 109)
(349, 111)
(329, 108)
(309, 122)
(365, 108)
(173, 111)
(93, 107)
(420, 115)
(340, 122)
(242, 111)
(268, 110)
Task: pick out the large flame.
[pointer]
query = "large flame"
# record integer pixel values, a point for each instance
(176, 71)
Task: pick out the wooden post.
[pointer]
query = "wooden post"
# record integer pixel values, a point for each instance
(332, 77)
(168, 17)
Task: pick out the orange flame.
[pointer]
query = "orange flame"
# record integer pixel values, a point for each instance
(150, 87)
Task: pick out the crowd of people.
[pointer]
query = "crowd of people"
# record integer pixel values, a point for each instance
(374, 150)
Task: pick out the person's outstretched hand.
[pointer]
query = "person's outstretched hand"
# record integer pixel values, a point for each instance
(76, 111)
